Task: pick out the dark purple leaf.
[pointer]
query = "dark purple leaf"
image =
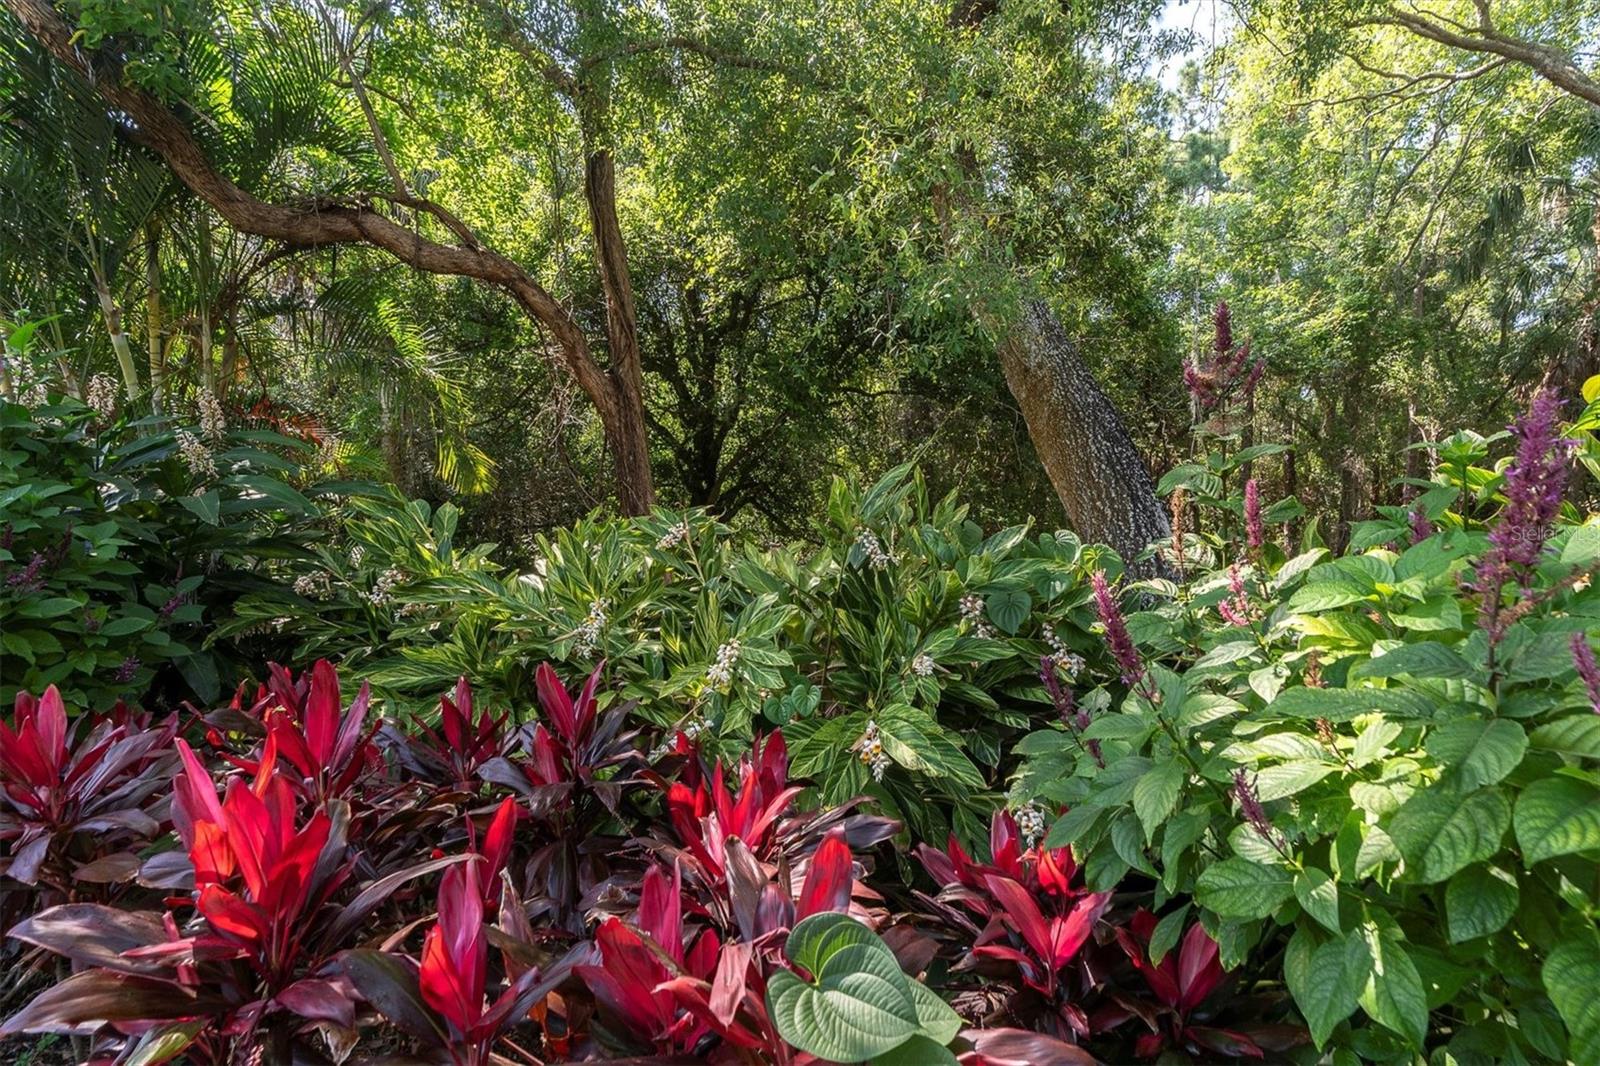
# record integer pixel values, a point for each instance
(85, 1001)
(318, 1000)
(367, 901)
(94, 935)
(389, 983)
(168, 870)
(115, 868)
(27, 860)
(1018, 1047)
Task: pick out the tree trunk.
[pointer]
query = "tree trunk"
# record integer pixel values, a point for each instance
(1080, 439)
(625, 428)
(119, 340)
(152, 312)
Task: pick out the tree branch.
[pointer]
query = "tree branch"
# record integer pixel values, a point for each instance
(1552, 64)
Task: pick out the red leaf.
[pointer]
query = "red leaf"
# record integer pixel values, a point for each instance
(828, 879)
(1199, 970)
(557, 703)
(1022, 914)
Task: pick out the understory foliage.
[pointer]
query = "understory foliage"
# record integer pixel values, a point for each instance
(913, 794)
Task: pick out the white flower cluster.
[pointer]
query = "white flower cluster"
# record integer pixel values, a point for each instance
(922, 665)
(869, 749)
(972, 612)
(196, 455)
(673, 537)
(213, 426)
(383, 589)
(589, 633)
(1031, 823)
(721, 671)
(103, 396)
(872, 548)
(357, 553)
(313, 586)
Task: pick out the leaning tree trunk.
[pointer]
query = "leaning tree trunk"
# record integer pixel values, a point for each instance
(1080, 439)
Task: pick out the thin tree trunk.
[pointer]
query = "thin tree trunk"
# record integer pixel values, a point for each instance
(1079, 437)
(152, 312)
(119, 340)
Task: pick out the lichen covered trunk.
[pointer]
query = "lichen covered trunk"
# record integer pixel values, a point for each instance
(1092, 462)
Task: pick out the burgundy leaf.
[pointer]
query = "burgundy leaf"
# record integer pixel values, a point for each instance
(94, 935)
(390, 985)
(87, 1000)
(1018, 1047)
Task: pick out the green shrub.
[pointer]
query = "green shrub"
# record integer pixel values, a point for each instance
(117, 552)
(1380, 768)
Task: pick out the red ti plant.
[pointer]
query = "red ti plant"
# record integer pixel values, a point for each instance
(302, 721)
(443, 1000)
(73, 809)
(454, 753)
(567, 758)
(676, 991)
(1033, 919)
(1181, 983)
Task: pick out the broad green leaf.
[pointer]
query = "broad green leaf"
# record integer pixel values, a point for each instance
(204, 507)
(916, 1051)
(1478, 752)
(1327, 981)
(1394, 996)
(1557, 816)
(1578, 734)
(1423, 659)
(1478, 901)
(1008, 609)
(1342, 704)
(1439, 832)
(939, 1021)
(1572, 978)
(1156, 794)
(1326, 595)
(1238, 888)
(1318, 896)
(1168, 931)
(858, 1003)
(1290, 778)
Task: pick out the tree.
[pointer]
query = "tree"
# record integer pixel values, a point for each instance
(613, 389)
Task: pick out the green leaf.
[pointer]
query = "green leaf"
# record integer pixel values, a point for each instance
(1478, 752)
(124, 626)
(939, 1022)
(1326, 595)
(1438, 832)
(1478, 901)
(1290, 778)
(273, 489)
(1156, 794)
(1318, 896)
(1394, 996)
(1008, 609)
(1342, 704)
(858, 1003)
(1557, 816)
(1575, 735)
(204, 507)
(1424, 659)
(1571, 976)
(1327, 981)
(1168, 931)
(916, 1051)
(1238, 888)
